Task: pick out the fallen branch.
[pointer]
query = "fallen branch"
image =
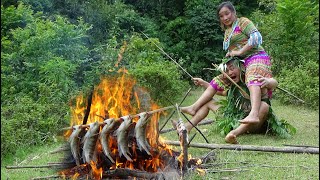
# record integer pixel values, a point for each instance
(225, 170)
(47, 177)
(125, 173)
(35, 166)
(250, 147)
(59, 150)
(300, 145)
(205, 122)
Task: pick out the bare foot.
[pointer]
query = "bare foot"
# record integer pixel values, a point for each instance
(189, 110)
(250, 120)
(231, 138)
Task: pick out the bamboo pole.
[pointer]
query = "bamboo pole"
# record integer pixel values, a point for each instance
(132, 116)
(309, 150)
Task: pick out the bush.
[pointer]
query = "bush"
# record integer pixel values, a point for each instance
(302, 81)
(24, 123)
(162, 79)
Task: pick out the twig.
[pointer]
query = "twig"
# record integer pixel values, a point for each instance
(196, 128)
(165, 123)
(192, 137)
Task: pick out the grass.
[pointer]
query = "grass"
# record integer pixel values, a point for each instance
(255, 165)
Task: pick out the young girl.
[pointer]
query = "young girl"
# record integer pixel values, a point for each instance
(242, 39)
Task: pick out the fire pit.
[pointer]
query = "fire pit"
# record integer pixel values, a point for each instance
(115, 134)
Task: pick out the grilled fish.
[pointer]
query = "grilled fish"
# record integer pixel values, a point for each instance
(74, 141)
(105, 135)
(122, 137)
(89, 142)
(140, 132)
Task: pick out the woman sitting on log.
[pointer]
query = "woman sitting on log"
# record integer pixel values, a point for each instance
(237, 105)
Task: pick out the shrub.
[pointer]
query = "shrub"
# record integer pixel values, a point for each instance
(163, 81)
(302, 81)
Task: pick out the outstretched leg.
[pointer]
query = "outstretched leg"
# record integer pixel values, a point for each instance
(231, 137)
(201, 114)
(255, 99)
(205, 97)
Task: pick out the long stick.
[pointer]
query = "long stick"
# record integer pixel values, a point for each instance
(250, 147)
(290, 94)
(280, 88)
(168, 55)
(132, 116)
(201, 123)
(35, 166)
(225, 74)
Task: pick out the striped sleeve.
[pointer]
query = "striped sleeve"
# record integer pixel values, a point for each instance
(248, 28)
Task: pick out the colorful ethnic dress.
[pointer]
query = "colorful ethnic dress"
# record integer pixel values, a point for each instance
(256, 60)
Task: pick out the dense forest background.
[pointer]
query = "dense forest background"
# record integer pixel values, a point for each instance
(53, 49)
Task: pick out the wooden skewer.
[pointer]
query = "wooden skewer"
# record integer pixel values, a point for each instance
(132, 116)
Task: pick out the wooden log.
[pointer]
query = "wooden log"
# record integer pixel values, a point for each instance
(125, 173)
(309, 150)
(132, 116)
(204, 122)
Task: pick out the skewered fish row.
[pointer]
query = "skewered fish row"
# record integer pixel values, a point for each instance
(112, 127)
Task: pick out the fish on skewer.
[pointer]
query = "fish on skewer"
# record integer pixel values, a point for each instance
(74, 141)
(108, 128)
(122, 137)
(140, 132)
(89, 142)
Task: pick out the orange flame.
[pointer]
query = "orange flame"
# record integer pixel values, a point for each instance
(115, 97)
(97, 173)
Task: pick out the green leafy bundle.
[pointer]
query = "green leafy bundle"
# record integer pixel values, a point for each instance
(235, 107)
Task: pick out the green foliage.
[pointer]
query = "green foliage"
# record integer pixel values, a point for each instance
(303, 81)
(25, 122)
(280, 127)
(14, 17)
(108, 19)
(40, 63)
(162, 79)
(291, 36)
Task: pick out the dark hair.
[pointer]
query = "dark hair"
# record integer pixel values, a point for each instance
(227, 4)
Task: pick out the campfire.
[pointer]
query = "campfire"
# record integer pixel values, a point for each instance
(114, 133)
